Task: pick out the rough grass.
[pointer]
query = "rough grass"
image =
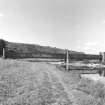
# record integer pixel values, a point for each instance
(94, 89)
(24, 83)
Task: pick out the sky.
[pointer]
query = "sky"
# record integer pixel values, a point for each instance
(77, 25)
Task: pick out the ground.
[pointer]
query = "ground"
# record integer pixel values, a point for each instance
(38, 83)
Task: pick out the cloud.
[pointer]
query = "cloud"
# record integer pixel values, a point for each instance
(103, 22)
(91, 43)
(1, 15)
(90, 47)
(78, 26)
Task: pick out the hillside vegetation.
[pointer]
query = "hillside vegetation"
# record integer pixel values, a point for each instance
(20, 50)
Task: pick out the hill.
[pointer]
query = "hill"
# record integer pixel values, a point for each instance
(21, 50)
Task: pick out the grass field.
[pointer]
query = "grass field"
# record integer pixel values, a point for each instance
(38, 83)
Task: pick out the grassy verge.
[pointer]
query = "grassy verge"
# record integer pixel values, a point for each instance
(25, 83)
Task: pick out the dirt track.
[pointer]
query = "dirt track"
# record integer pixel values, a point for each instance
(24, 83)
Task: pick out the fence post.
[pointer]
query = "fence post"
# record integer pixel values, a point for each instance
(102, 61)
(100, 57)
(3, 53)
(103, 57)
(67, 60)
